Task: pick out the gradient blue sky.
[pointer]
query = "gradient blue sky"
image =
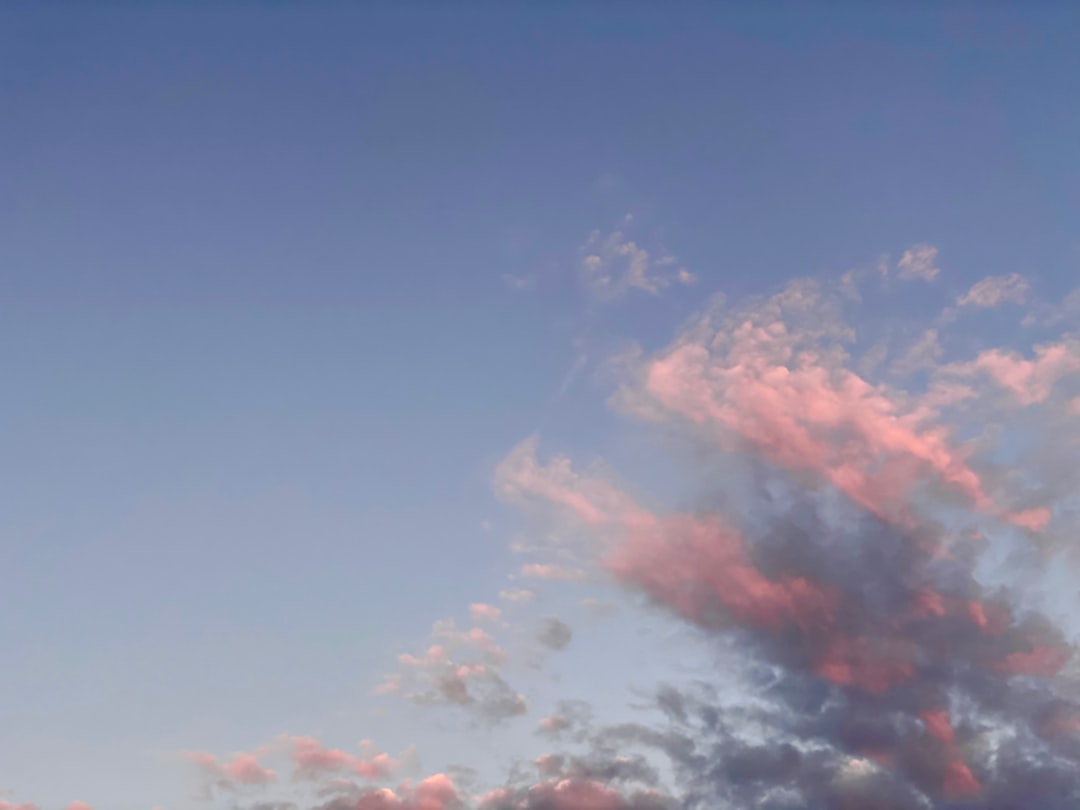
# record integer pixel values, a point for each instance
(261, 356)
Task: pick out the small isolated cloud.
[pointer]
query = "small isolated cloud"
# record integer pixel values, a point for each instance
(555, 634)
(517, 596)
(519, 283)
(481, 612)
(994, 291)
(80, 806)
(612, 264)
(918, 262)
(553, 573)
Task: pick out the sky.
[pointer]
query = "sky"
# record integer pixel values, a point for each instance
(539, 406)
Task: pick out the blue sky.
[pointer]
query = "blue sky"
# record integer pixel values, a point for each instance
(281, 285)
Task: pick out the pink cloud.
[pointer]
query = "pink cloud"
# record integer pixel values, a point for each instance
(563, 794)
(554, 723)
(380, 766)
(590, 499)
(865, 665)
(434, 793)
(482, 612)
(696, 566)
(242, 769)
(245, 770)
(1029, 381)
(80, 806)
(557, 573)
(313, 760)
(436, 654)
(958, 780)
(390, 685)
(6, 805)
(750, 383)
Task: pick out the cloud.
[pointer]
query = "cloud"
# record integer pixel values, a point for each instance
(550, 572)
(571, 794)
(313, 761)
(481, 612)
(436, 792)
(613, 264)
(833, 553)
(896, 679)
(79, 806)
(462, 669)
(1047, 315)
(555, 634)
(918, 262)
(519, 283)
(242, 769)
(517, 596)
(994, 291)
(923, 354)
(1028, 381)
(757, 381)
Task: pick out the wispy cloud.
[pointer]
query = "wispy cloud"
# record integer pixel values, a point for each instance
(612, 264)
(918, 262)
(994, 291)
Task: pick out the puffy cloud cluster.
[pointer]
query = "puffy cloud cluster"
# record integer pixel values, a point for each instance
(889, 674)
(241, 769)
(879, 668)
(461, 668)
